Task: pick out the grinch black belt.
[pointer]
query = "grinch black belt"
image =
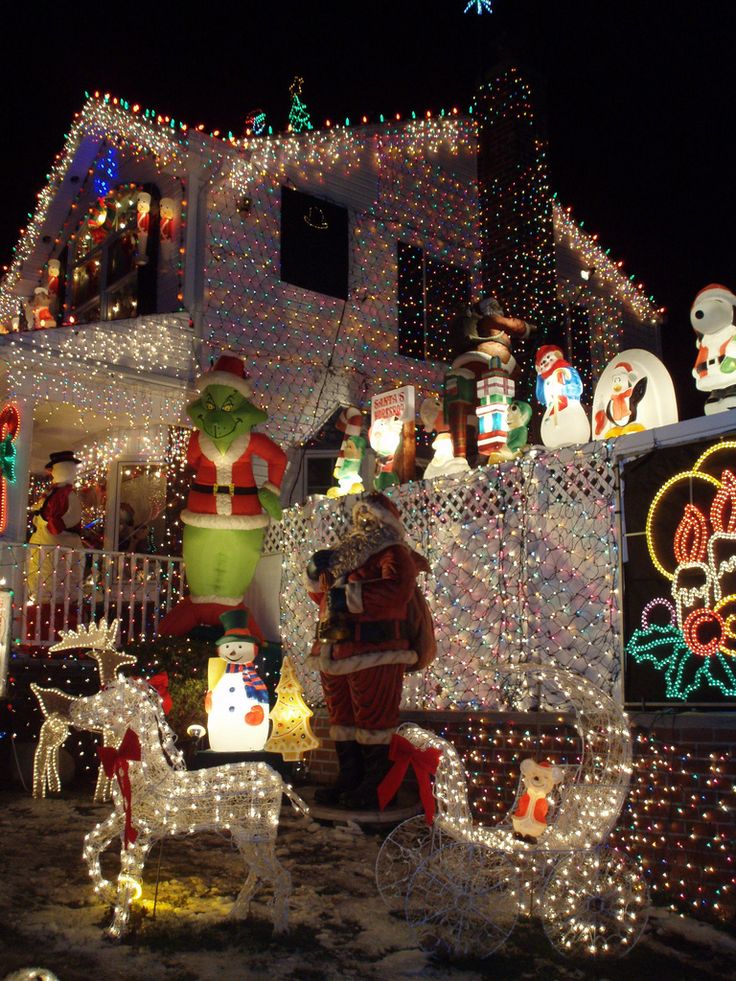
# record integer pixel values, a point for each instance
(230, 489)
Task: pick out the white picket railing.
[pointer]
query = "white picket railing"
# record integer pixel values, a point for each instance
(61, 588)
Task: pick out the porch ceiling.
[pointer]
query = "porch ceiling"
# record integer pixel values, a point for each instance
(61, 426)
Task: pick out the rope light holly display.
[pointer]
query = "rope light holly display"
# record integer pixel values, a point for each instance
(695, 648)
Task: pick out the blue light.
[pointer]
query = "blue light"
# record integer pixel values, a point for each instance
(106, 172)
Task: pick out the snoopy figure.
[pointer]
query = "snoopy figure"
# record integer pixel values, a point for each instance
(713, 317)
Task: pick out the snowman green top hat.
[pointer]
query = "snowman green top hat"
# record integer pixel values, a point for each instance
(237, 628)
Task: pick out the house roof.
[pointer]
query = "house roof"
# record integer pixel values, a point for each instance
(176, 146)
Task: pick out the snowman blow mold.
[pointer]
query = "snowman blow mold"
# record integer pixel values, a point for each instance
(237, 699)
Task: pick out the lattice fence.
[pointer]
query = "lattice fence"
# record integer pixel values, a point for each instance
(525, 568)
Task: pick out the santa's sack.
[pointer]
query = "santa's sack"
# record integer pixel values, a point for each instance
(420, 628)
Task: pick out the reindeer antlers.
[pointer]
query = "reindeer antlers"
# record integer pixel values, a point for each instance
(97, 637)
(99, 640)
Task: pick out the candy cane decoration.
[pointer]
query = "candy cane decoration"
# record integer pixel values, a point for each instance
(9, 429)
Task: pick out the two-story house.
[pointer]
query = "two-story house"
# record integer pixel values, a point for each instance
(331, 259)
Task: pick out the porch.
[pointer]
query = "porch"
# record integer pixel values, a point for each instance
(56, 589)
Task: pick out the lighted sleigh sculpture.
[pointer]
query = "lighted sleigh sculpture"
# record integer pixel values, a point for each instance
(156, 797)
(463, 887)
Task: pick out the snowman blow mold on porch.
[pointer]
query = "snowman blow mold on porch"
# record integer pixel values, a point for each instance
(237, 699)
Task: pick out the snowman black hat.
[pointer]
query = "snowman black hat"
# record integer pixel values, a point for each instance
(61, 456)
(237, 628)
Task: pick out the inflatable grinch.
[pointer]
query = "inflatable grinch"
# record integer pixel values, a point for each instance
(227, 513)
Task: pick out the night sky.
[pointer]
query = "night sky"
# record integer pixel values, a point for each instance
(639, 100)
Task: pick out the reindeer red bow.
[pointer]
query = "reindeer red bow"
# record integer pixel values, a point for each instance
(160, 682)
(425, 763)
(116, 763)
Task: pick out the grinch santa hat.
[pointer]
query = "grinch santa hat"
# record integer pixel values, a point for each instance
(228, 370)
(382, 508)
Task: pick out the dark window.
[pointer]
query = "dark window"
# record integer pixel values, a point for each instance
(112, 259)
(429, 294)
(573, 335)
(314, 244)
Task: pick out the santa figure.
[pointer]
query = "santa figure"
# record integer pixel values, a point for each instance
(444, 462)
(96, 223)
(53, 272)
(167, 219)
(530, 817)
(559, 388)
(365, 588)
(143, 224)
(39, 309)
(713, 317)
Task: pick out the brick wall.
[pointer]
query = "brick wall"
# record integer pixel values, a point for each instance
(679, 821)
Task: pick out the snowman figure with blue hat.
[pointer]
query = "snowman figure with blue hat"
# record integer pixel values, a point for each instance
(237, 699)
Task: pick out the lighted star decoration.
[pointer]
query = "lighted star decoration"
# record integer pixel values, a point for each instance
(480, 6)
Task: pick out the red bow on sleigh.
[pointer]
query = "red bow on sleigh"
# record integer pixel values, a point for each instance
(116, 762)
(425, 762)
(160, 682)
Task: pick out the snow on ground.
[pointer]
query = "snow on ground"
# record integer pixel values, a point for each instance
(339, 926)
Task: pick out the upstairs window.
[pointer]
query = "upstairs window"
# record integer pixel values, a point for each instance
(111, 261)
(429, 294)
(314, 244)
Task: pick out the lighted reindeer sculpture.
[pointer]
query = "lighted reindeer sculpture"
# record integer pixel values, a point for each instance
(154, 800)
(99, 640)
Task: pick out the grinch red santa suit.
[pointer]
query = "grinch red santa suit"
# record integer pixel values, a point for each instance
(227, 513)
(364, 588)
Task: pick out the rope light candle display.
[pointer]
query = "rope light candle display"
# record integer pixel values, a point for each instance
(154, 799)
(696, 648)
(464, 886)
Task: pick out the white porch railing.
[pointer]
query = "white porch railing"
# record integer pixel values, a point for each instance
(60, 588)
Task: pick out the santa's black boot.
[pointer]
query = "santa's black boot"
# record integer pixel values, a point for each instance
(376, 765)
(350, 761)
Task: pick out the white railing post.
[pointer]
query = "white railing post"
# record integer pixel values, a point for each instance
(124, 583)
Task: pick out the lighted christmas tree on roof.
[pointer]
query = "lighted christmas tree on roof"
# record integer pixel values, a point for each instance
(298, 115)
(291, 734)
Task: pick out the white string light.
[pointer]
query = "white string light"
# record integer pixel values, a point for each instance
(464, 885)
(243, 799)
